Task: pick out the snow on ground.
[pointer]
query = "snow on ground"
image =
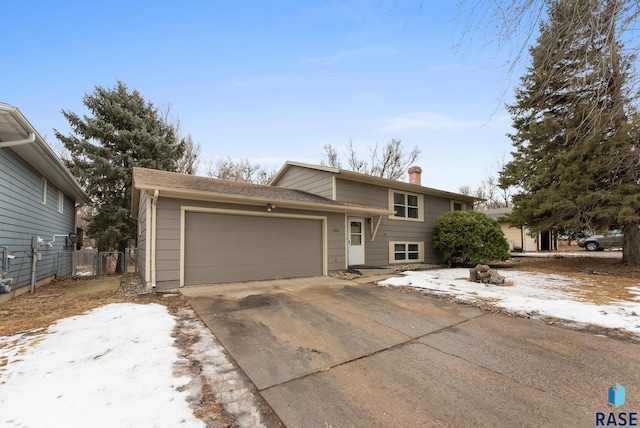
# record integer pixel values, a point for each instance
(111, 367)
(114, 366)
(531, 294)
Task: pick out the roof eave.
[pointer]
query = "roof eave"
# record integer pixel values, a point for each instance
(257, 201)
(400, 185)
(39, 151)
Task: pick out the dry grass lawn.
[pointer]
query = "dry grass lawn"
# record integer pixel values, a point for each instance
(601, 280)
(70, 297)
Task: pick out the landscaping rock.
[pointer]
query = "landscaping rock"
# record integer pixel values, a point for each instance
(485, 275)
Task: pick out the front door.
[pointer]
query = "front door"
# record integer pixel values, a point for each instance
(356, 241)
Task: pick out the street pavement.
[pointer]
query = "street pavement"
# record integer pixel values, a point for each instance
(325, 352)
(606, 254)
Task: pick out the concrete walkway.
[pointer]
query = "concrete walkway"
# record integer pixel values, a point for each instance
(326, 352)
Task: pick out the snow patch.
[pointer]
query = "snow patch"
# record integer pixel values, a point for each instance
(543, 294)
(110, 367)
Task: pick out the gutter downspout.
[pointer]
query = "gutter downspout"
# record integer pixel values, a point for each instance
(30, 139)
(154, 204)
(74, 268)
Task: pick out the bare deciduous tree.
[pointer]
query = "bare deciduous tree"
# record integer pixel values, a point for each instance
(512, 26)
(494, 195)
(330, 157)
(390, 161)
(190, 161)
(242, 170)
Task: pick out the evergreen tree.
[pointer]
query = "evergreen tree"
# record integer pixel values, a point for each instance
(124, 131)
(575, 136)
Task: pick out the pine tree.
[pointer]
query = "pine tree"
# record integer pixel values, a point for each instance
(575, 155)
(124, 131)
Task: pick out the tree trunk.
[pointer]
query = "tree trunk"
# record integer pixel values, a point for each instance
(631, 245)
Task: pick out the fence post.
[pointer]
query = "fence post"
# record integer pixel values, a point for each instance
(98, 265)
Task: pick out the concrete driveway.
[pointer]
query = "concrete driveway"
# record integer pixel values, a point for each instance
(335, 353)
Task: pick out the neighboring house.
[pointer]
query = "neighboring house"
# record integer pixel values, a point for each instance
(38, 199)
(519, 237)
(309, 221)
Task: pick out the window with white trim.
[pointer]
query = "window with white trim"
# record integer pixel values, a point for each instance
(457, 206)
(407, 206)
(60, 202)
(406, 252)
(43, 191)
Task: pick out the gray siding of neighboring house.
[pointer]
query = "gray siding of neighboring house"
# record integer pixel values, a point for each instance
(168, 213)
(307, 180)
(22, 215)
(377, 252)
(141, 256)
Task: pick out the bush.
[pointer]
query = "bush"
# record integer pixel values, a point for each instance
(469, 237)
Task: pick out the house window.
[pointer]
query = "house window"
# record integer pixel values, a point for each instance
(43, 191)
(407, 206)
(406, 252)
(60, 202)
(457, 206)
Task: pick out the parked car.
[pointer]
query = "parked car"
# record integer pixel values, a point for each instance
(612, 239)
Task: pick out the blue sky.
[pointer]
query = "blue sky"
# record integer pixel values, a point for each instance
(274, 81)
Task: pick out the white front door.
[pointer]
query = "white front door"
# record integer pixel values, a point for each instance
(356, 241)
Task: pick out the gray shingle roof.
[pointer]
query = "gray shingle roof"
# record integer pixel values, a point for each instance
(153, 179)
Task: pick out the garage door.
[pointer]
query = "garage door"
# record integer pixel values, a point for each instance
(228, 248)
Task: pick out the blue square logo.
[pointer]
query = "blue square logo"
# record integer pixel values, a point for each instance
(616, 395)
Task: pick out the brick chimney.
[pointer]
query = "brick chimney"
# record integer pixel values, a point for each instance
(414, 175)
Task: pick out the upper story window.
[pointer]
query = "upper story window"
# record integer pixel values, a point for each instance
(43, 191)
(407, 206)
(458, 206)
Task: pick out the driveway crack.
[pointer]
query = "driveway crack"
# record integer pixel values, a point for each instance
(411, 340)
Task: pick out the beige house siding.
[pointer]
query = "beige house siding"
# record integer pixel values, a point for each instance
(513, 235)
(519, 239)
(393, 230)
(168, 236)
(307, 180)
(530, 243)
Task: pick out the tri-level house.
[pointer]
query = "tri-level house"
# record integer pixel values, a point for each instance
(38, 200)
(308, 221)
